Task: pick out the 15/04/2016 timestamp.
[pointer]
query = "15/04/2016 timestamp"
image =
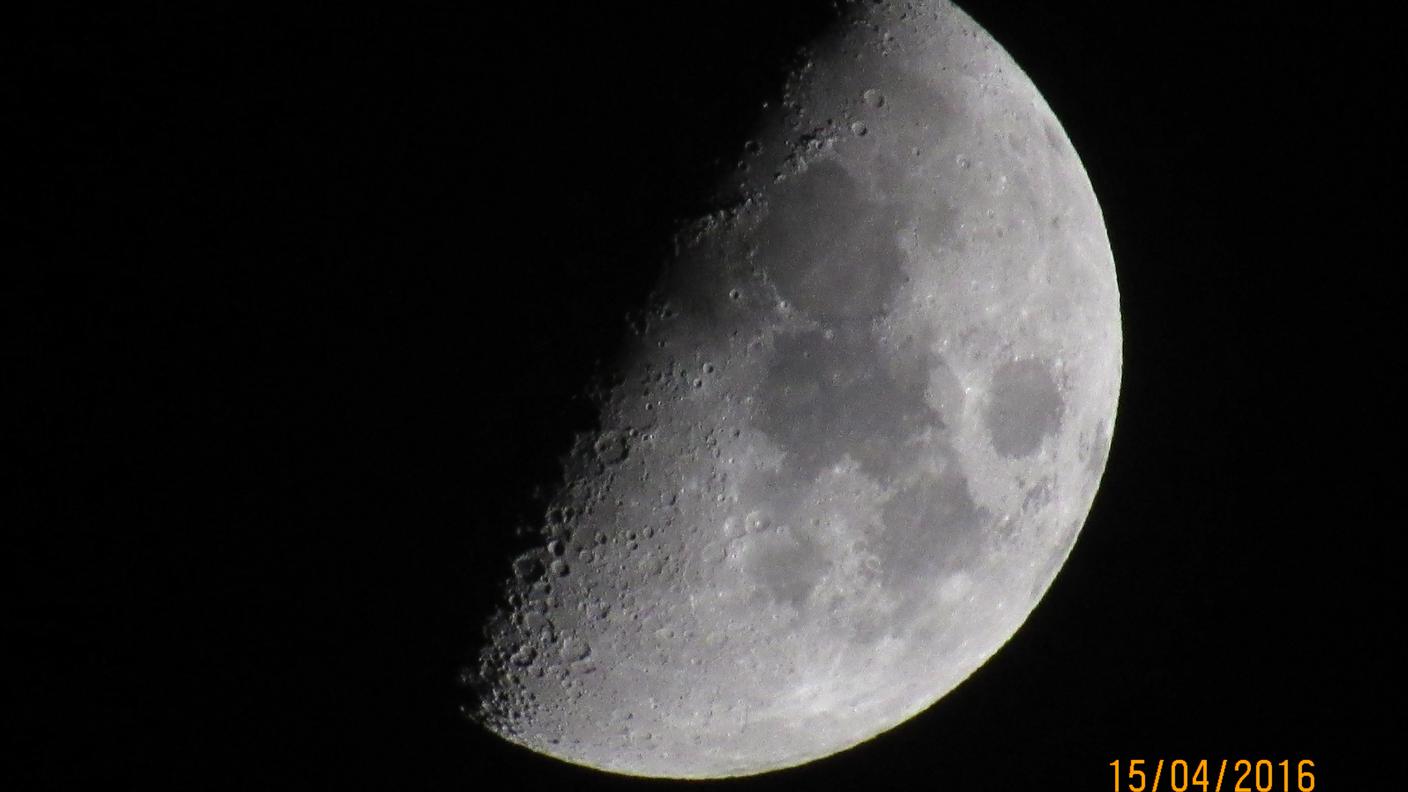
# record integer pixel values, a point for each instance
(1203, 775)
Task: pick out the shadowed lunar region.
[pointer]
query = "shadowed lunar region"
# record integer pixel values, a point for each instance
(852, 442)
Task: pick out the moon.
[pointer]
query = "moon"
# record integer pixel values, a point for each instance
(850, 443)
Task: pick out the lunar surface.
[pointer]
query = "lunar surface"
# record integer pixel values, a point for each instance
(852, 442)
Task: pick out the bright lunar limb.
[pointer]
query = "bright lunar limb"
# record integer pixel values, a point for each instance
(852, 444)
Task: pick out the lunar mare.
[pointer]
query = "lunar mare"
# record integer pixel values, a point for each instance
(853, 442)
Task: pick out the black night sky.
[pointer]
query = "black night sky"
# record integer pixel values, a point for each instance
(303, 301)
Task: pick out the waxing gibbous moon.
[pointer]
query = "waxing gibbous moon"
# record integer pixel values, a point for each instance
(852, 442)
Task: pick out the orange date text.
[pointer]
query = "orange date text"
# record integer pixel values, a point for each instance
(1213, 775)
